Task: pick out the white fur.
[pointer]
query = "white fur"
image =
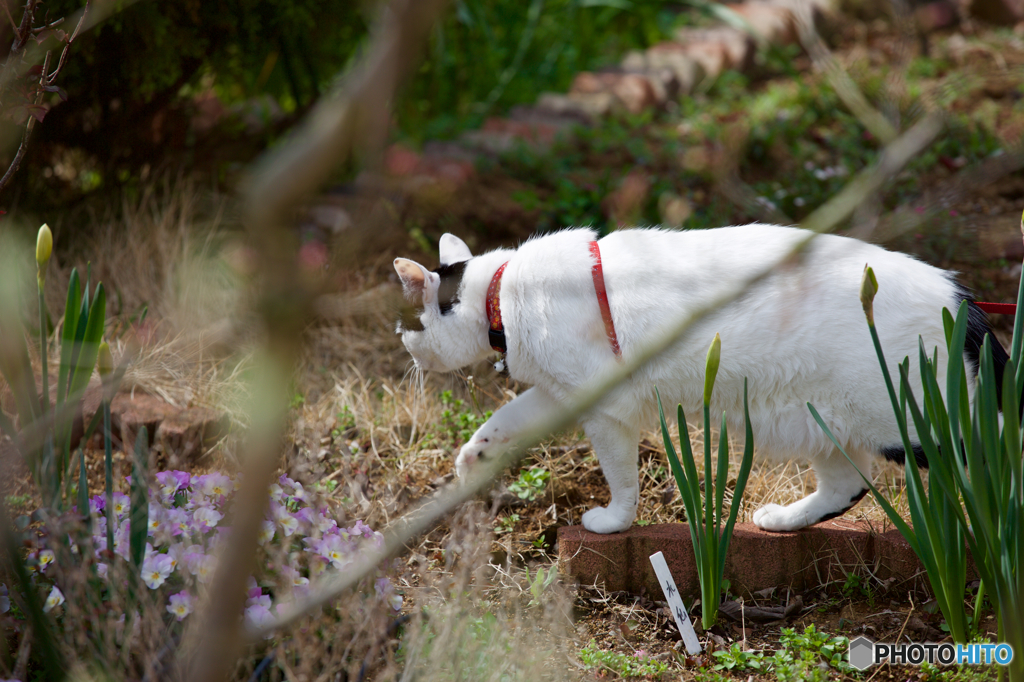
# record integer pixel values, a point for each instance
(798, 336)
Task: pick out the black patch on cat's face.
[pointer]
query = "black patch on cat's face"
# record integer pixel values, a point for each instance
(447, 297)
(448, 289)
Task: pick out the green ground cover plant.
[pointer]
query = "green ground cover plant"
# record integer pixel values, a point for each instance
(638, 664)
(807, 655)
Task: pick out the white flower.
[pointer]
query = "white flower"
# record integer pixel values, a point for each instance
(53, 600)
(46, 558)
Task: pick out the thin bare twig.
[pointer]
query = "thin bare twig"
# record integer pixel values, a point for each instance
(29, 125)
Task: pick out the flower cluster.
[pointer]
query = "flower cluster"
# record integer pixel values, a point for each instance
(184, 529)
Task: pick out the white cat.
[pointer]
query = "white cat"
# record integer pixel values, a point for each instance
(798, 336)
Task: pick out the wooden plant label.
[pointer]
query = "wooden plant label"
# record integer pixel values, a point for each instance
(675, 603)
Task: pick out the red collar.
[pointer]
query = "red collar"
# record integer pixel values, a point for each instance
(496, 331)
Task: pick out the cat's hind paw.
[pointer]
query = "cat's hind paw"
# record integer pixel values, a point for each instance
(604, 520)
(778, 518)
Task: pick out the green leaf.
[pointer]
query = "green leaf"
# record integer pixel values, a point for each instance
(71, 310)
(91, 338)
(83, 491)
(139, 529)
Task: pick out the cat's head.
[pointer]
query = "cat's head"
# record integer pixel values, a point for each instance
(443, 333)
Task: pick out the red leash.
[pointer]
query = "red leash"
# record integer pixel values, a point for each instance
(997, 308)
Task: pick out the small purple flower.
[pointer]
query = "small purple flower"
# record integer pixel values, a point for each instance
(172, 481)
(155, 570)
(361, 528)
(206, 518)
(216, 485)
(258, 615)
(306, 516)
(259, 600)
(178, 521)
(97, 504)
(180, 604)
(121, 504)
(324, 522)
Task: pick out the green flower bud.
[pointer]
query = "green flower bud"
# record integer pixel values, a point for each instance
(711, 367)
(104, 360)
(868, 289)
(44, 246)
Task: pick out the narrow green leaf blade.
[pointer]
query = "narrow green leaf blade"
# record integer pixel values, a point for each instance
(71, 311)
(139, 500)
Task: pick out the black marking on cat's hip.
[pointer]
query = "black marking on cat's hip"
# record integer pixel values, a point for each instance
(448, 289)
(858, 497)
(895, 453)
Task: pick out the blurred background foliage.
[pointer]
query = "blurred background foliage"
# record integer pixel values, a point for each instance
(138, 83)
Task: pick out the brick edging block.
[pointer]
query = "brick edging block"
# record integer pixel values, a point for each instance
(757, 559)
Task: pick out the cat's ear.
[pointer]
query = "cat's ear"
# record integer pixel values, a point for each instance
(453, 249)
(417, 280)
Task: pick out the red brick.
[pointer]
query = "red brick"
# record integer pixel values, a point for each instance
(757, 559)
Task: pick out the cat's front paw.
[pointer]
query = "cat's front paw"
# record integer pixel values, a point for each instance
(777, 518)
(604, 520)
(468, 455)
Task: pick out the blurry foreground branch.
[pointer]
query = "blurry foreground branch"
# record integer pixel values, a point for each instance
(353, 118)
(825, 219)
